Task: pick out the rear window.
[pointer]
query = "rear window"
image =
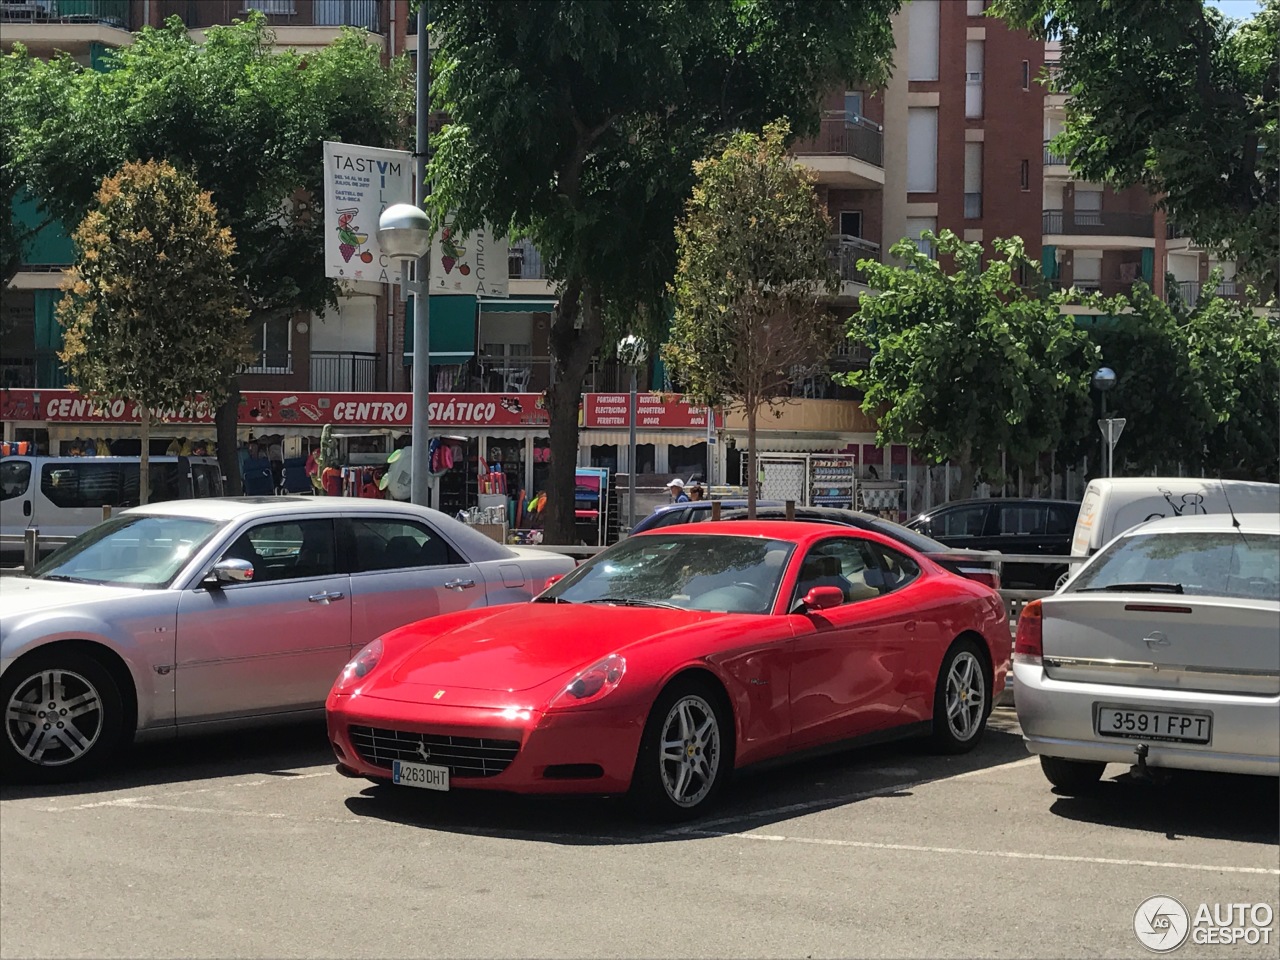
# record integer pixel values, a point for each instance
(1201, 564)
(15, 476)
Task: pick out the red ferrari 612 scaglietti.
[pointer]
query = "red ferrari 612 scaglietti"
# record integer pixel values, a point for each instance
(674, 658)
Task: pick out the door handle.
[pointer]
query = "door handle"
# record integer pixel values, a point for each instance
(26, 508)
(325, 597)
(459, 584)
(911, 626)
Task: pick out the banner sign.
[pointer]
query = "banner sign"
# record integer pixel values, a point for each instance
(295, 409)
(474, 265)
(653, 410)
(359, 183)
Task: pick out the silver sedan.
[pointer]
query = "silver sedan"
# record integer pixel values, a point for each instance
(192, 615)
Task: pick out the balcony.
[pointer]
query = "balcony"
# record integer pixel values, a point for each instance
(847, 153)
(845, 252)
(526, 273)
(1189, 291)
(1107, 288)
(520, 374)
(296, 23)
(111, 13)
(74, 26)
(1056, 164)
(35, 369)
(1098, 229)
(344, 371)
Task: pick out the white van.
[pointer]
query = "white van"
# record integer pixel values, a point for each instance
(64, 496)
(1112, 506)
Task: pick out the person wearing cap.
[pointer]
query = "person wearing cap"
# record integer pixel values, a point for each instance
(676, 489)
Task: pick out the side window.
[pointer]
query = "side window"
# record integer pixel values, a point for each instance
(898, 569)
(1020, 520)
(286, 550)
(1062, 520)
(83, 484)
(386, 544)
(15, 476)
(847, 563)
(672, 518)
(960, 522)
(164, 483)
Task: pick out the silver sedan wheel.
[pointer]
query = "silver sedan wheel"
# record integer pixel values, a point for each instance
(54, 717)
(966, 696)
(689, 756)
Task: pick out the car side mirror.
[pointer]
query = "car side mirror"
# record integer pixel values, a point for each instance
(823, 598)
(231, 571)
(552, 581)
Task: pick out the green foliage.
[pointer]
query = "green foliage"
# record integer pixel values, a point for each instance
(245, 121)
(151, 310)
(1172, 95)
(577, 124)
(752, 273)
(1199, 384)
(22, 101)
(965, 364)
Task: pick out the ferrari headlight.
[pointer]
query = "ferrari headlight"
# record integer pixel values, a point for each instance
(359, 667)
(597, 681)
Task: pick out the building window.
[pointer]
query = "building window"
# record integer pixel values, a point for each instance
(851, 223)
(1026, 75)
(1024, 174)
(922, 52)
(273, 7)
(273, 347)
(975, 8)
(852, 105)
(973, 56)
(916, 229)
(972, 181)
(922, 149)
(1022, 274)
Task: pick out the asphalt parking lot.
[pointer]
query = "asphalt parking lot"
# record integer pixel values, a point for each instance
(251, 846)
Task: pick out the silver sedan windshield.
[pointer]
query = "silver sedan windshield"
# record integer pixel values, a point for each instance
(132, 550)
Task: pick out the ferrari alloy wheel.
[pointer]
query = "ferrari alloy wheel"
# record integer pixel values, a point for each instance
(685, 754)
(62, 717)
(961, 704)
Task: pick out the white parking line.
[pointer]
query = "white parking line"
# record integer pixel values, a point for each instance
(117, 801)
(1000, 854)
(141, 803)
(824, 803)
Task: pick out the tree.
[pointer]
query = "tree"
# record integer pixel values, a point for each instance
(21, 101)
(246, 121)
(749, 285)
(967, 366)
(152, 312)
(577, 124)
(1198, 384)
(1173, 95)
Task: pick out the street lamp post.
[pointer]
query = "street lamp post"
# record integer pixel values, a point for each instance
(1103, 381)
(404, 233)
(632, 352)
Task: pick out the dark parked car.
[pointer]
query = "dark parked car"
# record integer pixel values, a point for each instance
(1010, 526)
(966, 563)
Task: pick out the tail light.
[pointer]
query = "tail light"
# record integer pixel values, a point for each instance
(987, 578)
(1028, 645)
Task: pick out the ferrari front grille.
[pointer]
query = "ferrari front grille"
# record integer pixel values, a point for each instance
(464, 756)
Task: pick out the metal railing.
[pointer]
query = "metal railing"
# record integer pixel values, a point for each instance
(524, 262)
(112, 13)
(1189, 291)
(845, 252)
(1103, 223)
(845, 136)
(369, 14)
(344, 371)
(1052, 159)
(38, 369)
(270, 361)
(1108, 288)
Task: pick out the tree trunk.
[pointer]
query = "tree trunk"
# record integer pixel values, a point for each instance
(572, 349)
(753, 472)
(144, 461)
(227, 420)
(968, 477)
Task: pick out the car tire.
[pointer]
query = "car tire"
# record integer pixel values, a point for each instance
(70, 736)
(1072, 776)
(962, 699)
(691, 717)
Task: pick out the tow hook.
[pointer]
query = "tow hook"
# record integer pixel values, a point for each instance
(1142, 772)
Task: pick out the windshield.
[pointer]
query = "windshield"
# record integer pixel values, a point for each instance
(726, 574)
(1200, 564)
(130, 550)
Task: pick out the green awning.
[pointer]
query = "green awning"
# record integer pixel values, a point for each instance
(453, 329)
(544, 305)
(1049, 262)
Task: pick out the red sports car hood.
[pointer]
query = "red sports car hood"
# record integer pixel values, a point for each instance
(523, 646)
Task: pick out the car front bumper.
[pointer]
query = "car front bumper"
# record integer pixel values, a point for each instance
(1057, 719)
(573, 751)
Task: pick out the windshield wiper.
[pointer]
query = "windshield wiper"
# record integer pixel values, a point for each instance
(551, 600)
(64, 578)
(629, 602)
(1136, 587)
